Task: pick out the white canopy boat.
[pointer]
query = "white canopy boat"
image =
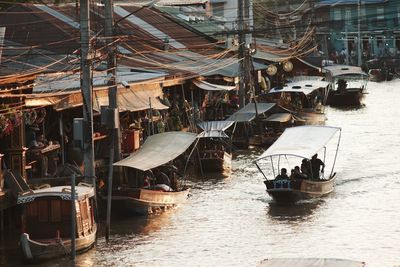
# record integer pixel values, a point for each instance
(347, 85)
(242, 133)
(305, 97)
(215, 154)
(302, 142)
(158, 150)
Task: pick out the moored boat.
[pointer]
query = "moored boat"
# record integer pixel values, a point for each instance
(301, 142)
(47, 221)
(148, 189)
(347, 85)
(215, 150)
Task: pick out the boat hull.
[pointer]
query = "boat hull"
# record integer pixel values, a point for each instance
(289, 191)
(217, 164)
(145, 201)
(36, 250)
(350, 98)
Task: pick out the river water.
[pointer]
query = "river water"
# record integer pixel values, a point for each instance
(233, 222)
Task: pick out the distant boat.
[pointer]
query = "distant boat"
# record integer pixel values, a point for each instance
(46, 230)
(310, 262)
(305, 97)
(301, 142)
(347, 85)
(214, 146)
(157, 152)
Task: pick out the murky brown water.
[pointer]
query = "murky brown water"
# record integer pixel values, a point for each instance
(232, 222)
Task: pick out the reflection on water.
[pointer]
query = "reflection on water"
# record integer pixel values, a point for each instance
(296, 212)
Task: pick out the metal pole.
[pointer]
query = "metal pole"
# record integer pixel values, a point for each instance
(73, 220)
(109, 189)
(87, 94)
(151, 118)
(112, 73)
(61, 127)
(241, 56)
(359, 34)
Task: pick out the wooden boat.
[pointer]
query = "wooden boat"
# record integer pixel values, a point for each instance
(300, 142)
(305, 97)
(143, 201)
(244, 133)
(47, 221)
(141, 197)
(307, 262)
(215, 152)
(347, 85)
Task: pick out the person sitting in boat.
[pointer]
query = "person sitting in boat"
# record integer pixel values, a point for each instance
(316, 164)
(161, 177)
(283, 175)
(342, 85)
(305, 168)
(296, 173)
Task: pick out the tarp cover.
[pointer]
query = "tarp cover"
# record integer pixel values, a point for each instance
(301, 141)
(213, 87)
(304, 86)
(310, 262)
(337, 70)
(280, 117)
(214, 128)
(250, 111)
(158, 149)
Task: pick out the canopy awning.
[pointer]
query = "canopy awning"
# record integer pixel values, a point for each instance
(250, 111)
(213, 87)
(280, 117)
(338, 70)
(158, 149)
(214, 128)
(135, 98)
(301, 141)
(304, 86)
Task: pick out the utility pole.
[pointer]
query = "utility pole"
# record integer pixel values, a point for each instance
(359, 34)
(112, 72)
(242, 85)
(115, 150)
(87, 94)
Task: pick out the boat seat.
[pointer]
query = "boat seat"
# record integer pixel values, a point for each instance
(282, 184)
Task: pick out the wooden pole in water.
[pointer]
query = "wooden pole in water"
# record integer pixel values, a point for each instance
(109, 189)
(73, 220)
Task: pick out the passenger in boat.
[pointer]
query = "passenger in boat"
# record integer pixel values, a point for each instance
(342, 85)
(161, 177)
(305, 168)
(296, 173)
(283, 175)
(316, 164)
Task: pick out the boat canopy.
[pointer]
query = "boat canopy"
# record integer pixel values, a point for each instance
(63, 192)
(250, 111)
(301, 141)
(315, 262)
(214, 128)
(158, 149)
(338, 70)
(305, 86)
(280, 117)
(213, 87)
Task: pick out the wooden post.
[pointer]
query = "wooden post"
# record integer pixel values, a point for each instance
(109, 189)
(151, 118)
(61, 127)
(73, 220)
(241, 55)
